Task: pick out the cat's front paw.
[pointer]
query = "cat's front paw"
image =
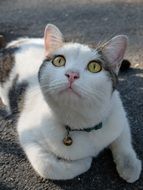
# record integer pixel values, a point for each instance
(87, 163)
(129, 168)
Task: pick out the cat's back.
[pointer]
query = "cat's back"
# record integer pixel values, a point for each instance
(19, 63)
(28, 54)
(21, 57)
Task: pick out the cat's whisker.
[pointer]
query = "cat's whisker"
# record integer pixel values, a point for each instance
(51, 90)
(50, 86)
(89, 94)
(53, 84)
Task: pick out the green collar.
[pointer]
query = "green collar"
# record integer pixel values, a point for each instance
(68, 141)
(96, 127)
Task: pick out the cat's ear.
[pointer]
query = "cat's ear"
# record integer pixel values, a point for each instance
(114, 51)
(53, 39)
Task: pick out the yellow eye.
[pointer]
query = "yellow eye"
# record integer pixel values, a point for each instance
(59, 61)
(94, 67)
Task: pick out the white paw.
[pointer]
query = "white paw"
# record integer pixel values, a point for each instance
(129, 168)
(87, 163)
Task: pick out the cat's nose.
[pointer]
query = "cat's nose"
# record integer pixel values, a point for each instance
(72, 75)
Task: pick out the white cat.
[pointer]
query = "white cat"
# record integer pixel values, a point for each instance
(71, 108)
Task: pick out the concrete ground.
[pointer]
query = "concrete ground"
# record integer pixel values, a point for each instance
(87, 21)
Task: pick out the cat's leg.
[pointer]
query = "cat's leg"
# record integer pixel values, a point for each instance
(1, 96)
(50, 167)
(127, 163)
(5, 101)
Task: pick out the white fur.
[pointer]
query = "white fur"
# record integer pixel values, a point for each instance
(30, 51)
(41, 124)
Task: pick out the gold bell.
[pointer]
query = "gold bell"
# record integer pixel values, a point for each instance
(67, 141)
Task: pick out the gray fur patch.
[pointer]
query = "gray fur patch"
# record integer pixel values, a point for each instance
(16, 95)
(7, 60)
(107, 67)
(42, 67)
(105, 64)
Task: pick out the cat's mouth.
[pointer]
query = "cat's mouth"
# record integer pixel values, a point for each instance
(70, 90)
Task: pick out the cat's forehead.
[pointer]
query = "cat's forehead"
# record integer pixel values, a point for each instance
(77, 50)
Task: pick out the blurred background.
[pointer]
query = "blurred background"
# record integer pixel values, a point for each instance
(85, 21)
(88, 21)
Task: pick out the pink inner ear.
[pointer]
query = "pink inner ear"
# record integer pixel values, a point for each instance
(114, 51)
(53, 39)
(48, 45)
(114, 56)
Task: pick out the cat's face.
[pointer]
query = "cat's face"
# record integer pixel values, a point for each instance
(76, 73)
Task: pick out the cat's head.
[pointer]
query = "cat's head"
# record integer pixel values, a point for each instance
(72, 72)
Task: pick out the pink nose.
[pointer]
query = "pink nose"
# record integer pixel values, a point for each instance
(71, 75)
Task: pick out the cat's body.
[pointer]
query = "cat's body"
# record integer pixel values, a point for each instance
(69, 95)
(21, 69)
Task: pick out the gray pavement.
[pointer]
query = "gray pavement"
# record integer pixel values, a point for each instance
(87, 21)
